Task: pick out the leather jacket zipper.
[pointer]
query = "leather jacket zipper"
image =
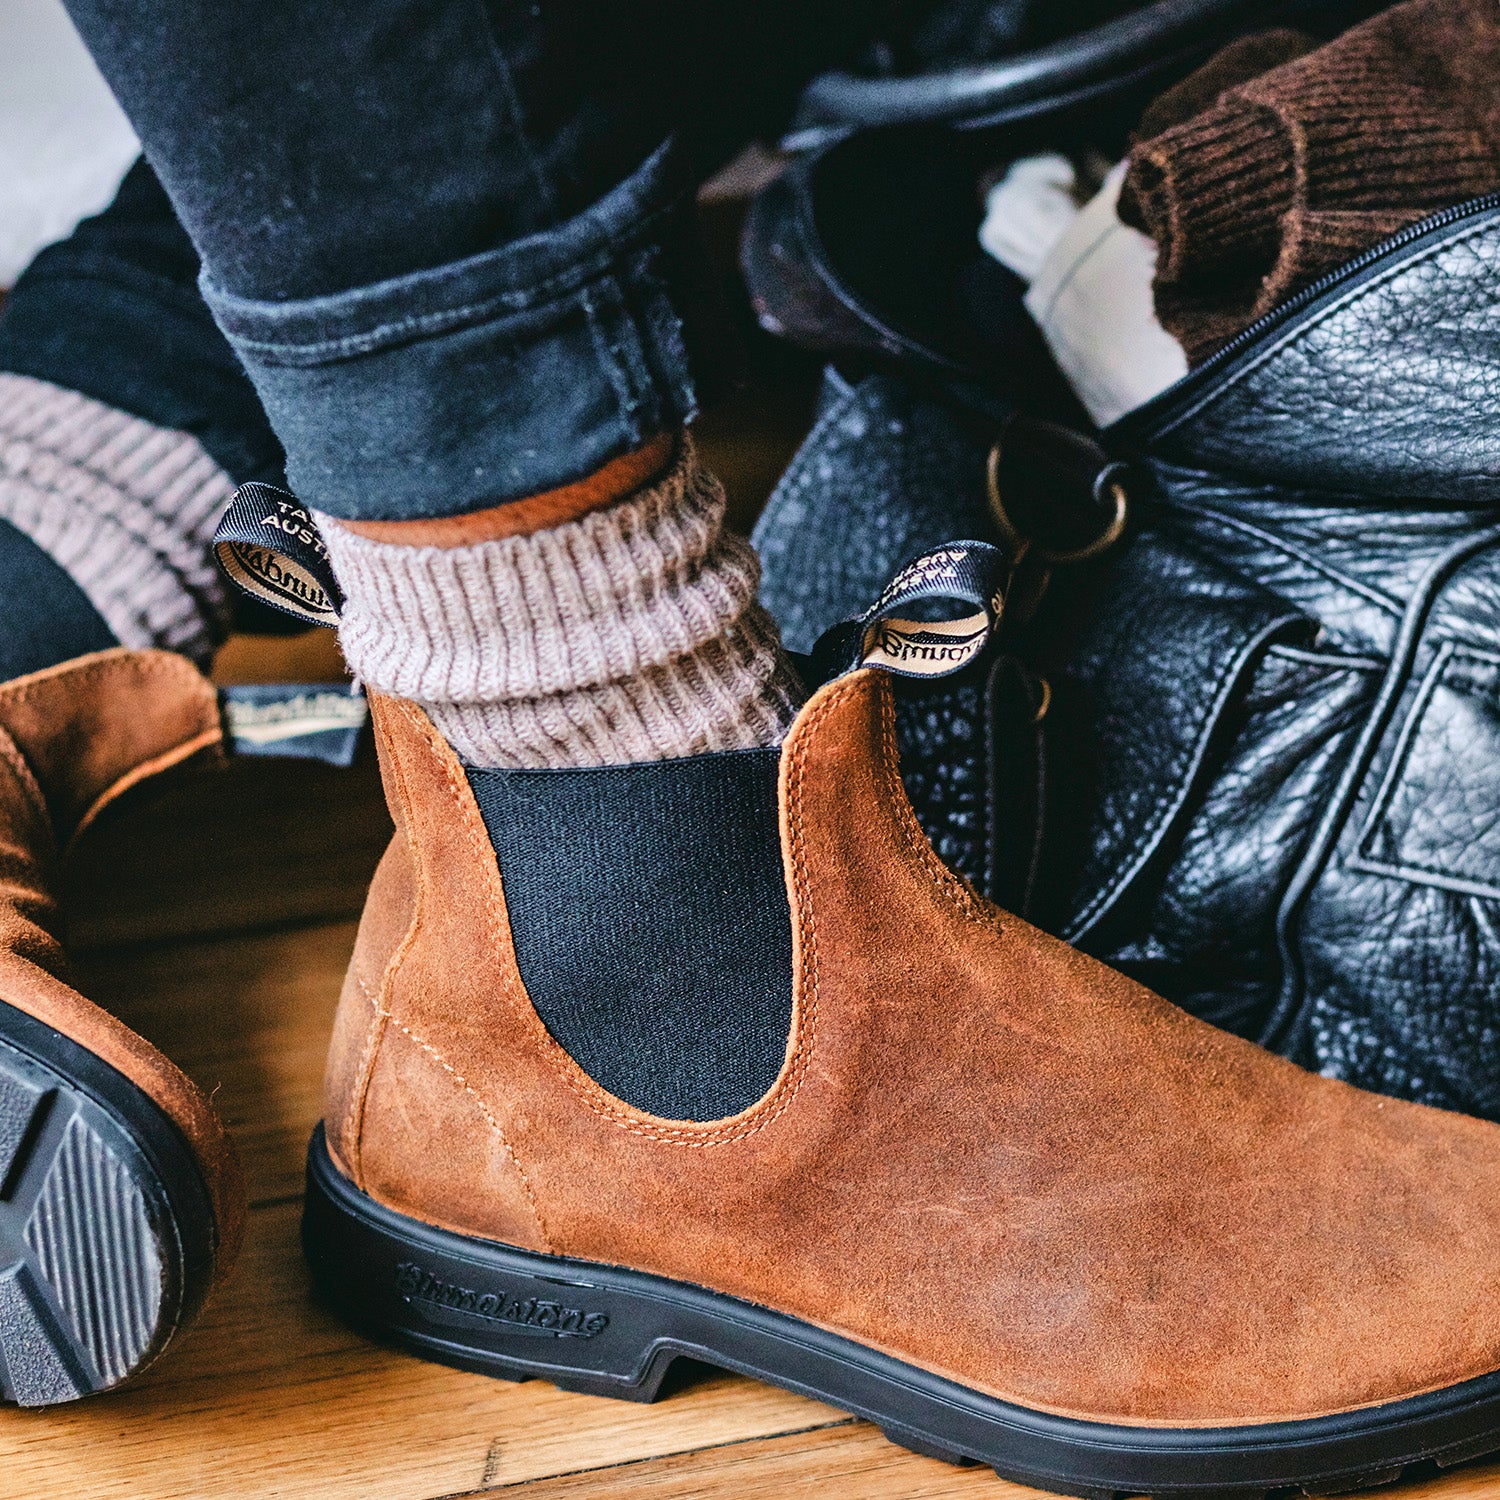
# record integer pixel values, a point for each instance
(1138, 427)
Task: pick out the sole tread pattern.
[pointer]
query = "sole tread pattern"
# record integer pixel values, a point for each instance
(36, 1364)
(21, 1103)
(91, 1232)
(84, 1283)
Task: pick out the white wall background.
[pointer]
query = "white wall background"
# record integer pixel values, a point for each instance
(64, 144)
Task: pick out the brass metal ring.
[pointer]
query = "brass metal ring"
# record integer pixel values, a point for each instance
(1106, 538)
(1014, 542)
(1019, 545)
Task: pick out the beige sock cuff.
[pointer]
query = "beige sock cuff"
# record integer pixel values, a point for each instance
(630, 634)
(126, 507)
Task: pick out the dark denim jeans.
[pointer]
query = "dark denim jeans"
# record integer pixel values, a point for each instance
(451, 240)
(114, 311)
(45, 617)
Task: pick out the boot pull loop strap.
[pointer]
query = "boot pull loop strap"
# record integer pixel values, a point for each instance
(269, 547)
(932, 619)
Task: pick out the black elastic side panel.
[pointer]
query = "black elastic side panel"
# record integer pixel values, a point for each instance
(651, 924)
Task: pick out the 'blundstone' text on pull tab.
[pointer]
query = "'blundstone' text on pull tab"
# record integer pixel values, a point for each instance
(269, 546)
(931, 620)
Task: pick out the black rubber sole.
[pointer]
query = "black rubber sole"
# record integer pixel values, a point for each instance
(612, 1332)
(106, 1227)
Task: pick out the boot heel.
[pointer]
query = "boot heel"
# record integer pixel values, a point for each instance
(512, 1314)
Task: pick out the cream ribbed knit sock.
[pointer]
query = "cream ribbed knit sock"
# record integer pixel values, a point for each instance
(630, 634)
(127, 508)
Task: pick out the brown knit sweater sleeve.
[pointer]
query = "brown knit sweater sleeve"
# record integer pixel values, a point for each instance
(1284, 177)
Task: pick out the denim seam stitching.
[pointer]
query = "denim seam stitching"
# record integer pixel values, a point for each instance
(539, 296)
(612, 356)
(513, 107)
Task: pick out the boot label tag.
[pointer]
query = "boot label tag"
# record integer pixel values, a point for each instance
(932, 619)
(303, 720)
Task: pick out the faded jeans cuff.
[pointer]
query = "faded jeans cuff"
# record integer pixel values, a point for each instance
(495, 377)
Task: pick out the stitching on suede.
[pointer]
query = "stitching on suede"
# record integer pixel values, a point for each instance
(354, 1122)
(959, 894)
(352, 1133)
(10, 752)
(114, 660)
(473, 1094)
(137, 663)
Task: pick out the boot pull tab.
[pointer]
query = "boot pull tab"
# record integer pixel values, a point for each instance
(268, 545)
(1055, 494)
(932, 619)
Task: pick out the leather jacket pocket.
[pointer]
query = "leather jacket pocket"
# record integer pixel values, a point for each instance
(1211, 725)
(1397, 941)
(1435, 816)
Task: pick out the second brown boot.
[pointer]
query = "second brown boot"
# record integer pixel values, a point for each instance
(121, 1202)
(713, 1058)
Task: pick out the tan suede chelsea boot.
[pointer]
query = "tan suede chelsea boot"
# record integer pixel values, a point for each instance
(121, 1202)
(937, 1168)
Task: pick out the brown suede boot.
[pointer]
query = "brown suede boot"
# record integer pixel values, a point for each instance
(121, 1202)
(997, 1198)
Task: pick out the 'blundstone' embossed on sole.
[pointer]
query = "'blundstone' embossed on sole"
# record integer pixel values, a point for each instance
(440, 1304)
(420, 1288)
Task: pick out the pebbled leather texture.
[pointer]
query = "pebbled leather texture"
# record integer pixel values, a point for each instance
(1275, 730)
(1333, 885)
(888, 472)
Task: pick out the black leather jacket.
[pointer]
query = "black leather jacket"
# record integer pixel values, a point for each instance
(1274, 742)
(1294, 673)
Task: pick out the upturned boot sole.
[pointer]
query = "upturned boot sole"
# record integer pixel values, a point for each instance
(609, 1331)
(107, 1235)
